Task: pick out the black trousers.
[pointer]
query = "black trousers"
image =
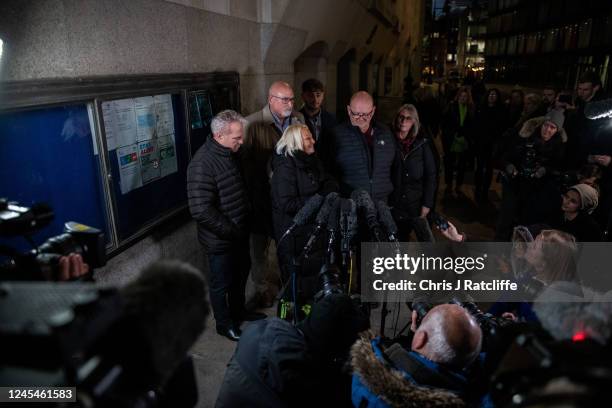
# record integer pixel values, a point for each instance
(227, 282)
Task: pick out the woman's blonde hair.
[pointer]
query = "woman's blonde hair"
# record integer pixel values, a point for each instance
(559, 254)
(415, 116)
(291, 140)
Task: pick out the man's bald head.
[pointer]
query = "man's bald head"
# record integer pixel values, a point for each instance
(362, 97)
(279, 86)
(280, 99)
(361, 109)
(448, 335)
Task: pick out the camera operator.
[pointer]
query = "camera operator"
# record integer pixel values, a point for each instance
(277, 364)
(443, 348)
(72, 267)
(529, 190)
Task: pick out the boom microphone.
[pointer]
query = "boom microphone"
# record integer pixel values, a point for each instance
(165, 313)
(321, 220)
(384, 214)
(598, 109)
(364, 202)
(305, 214)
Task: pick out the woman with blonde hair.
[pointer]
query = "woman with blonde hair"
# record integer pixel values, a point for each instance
(297, 175)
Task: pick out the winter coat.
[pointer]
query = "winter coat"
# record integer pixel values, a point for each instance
(489, 125)
(261, 136)
(451, 126)
(547, 154)
(416, 179)
(295, 180)
(217, 196)
(328, 122)
(584, 228)
(350, 160)
(273, 367)
(396, 377)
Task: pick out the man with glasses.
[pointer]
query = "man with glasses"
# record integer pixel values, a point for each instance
(361, 152)
(264, 129)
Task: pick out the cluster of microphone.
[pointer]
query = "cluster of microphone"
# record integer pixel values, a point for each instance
(340, 218)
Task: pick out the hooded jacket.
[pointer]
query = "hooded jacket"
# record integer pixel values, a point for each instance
(548, 154)
(378, 382)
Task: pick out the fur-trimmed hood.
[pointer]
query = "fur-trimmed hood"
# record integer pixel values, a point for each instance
(531, 125)
(390, 384)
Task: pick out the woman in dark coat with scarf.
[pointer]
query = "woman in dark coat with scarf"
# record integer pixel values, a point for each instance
(297, 175)
(416, 175)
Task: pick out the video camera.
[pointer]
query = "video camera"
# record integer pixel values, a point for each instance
(529, 161)
(119, 347)
(42, 262)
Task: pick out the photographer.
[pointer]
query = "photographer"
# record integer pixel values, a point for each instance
(443, 347)
(277, 364)
(529, 190)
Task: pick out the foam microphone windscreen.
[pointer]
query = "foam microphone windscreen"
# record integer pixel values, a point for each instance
(326, 208)
(598, 109)
(384, 214)
(308, 210)
(165, 312)
(334, 216)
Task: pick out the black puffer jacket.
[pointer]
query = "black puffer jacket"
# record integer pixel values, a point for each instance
(217, 195)
(294, 180)
(348, 158)
(416, 179)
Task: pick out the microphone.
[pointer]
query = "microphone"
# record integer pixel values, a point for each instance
(321, 221)
(348, 224)
(384, 214)
(164, 313)
(333, 225)
(305, 214)
(364, 202)
(598, 109)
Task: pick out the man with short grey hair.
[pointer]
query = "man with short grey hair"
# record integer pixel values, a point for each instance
(219, 203)
(265, 127)
(448, 335)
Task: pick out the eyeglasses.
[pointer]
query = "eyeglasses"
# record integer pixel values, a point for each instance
(360, 115)
(284, 99)
(402, 118)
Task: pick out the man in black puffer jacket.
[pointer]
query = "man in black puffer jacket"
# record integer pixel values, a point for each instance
(219, 203)
(361, 152)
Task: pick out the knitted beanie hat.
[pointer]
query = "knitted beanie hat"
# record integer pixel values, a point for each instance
(556, 117)
(589, 197)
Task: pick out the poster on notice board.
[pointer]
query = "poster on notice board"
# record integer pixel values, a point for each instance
(141, 133)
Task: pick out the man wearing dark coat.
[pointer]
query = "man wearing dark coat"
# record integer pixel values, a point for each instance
(219, 203)
(361, 153)
(319, 121)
